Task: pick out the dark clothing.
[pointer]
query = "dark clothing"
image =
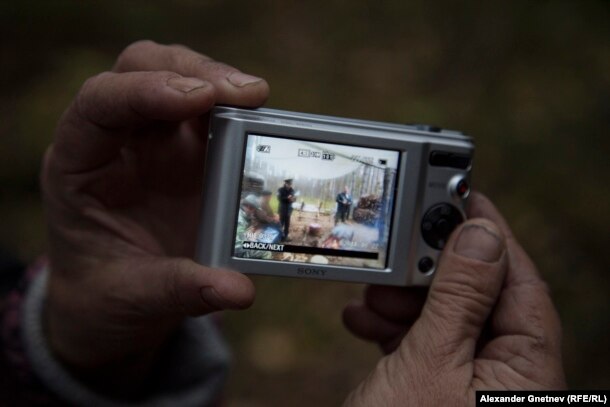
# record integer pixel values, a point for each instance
(18, 383)
(191, 367)
(344, 202)
(285, 196)
(11, 272)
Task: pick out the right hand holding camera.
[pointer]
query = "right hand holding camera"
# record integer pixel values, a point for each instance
(487, 323)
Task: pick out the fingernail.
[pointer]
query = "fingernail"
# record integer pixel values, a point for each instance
(211, 297)
(241, 79)
(185, 85)
(479, 243)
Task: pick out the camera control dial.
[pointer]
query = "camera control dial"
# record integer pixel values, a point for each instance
(438, 223)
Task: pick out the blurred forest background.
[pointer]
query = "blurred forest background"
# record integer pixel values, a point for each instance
(530, 80)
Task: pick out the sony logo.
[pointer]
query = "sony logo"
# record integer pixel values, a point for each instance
(307, 271)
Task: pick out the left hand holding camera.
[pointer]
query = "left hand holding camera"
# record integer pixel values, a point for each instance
(488, 323)
(122, 190)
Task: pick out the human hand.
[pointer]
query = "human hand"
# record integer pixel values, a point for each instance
(122, 188)
(487, 323)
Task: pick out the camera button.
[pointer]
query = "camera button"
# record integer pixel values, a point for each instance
(438, 223)
(428, 127)
(443, 226)
(459, 187)
(462, 189)
(425, 264)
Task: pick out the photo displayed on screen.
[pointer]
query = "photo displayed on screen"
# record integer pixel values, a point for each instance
(311, 202)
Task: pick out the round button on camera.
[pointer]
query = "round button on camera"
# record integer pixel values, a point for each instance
(443, 219)
(462, 189)
(459, 187)
(425, 264)
(443, 226)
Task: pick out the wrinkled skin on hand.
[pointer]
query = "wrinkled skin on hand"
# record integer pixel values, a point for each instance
(122, 184)
(487, 323)
(122, 188)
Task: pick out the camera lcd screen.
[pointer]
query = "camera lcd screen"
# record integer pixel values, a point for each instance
(310, 202)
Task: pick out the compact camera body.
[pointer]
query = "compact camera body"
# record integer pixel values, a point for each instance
(303, 195)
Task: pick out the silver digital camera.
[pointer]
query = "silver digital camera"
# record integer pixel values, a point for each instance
(303, 195)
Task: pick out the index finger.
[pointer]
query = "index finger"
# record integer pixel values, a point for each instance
(98, 122)
(231, 85)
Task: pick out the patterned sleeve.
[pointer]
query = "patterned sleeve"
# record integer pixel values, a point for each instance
(25, 386)
(192, 373)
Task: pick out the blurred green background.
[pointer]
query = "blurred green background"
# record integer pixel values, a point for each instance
(529, 79)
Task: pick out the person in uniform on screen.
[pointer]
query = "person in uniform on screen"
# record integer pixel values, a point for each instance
(285, 196)
(344, 202)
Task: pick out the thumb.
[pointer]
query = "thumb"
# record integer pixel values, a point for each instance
(466, 287)
(181, 286)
